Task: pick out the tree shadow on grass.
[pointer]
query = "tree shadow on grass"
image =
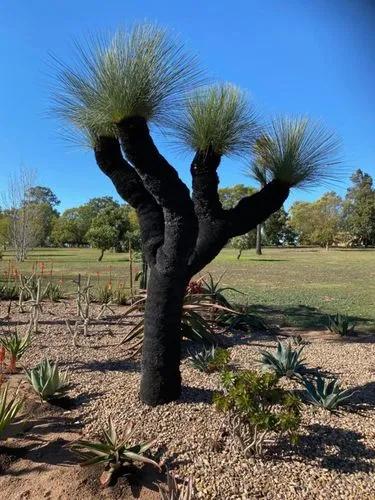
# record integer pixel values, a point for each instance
(337, 449)
(300, 316)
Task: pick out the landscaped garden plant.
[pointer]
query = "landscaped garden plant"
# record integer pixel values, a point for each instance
(48, 380)
(210, 359)
(113, 451)
(341, 325)
(326, 393)
(143, 77)
(15, 346)
(258, 410)
(285, 362)
(9, 408)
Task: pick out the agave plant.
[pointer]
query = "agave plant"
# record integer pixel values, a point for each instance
(326, 393)
(341, 325)
(214, 291)
(9, 408)
(16, 347)
(173, 490)
(210, 359)
(48, 380)
(114, 452)
(285, 362)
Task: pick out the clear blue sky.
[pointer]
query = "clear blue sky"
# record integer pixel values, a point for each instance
(294, 56)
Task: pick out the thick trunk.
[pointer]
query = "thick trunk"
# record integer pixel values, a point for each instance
(161, 378)
(259, 240)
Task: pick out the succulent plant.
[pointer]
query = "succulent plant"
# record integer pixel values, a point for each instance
(48, 380)
(210, 359)
(173, 490)
(285, 362)
(112, 451)
(9, 408)
(326, 393)
(341, 325)
(15, 346)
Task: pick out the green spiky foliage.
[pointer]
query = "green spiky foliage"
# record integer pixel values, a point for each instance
(218, 118)
(210, 359)
(341, 325)
(9, 291)
(48, 380)
(141, 72)
(285, 362)
(297, 152)
(113, 451)
(9, 408)
(214, 291)
(16, 346)
(256, 406)
(326, 393)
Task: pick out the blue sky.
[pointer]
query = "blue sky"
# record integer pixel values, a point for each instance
(311, 57)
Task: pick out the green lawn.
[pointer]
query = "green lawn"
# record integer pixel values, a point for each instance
(293, 286)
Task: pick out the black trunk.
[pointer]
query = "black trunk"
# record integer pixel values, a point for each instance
(161, 378)
(258, 247)
(101, 255)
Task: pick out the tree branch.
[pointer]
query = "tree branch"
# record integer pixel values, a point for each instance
(130, 187)
(253, 210)
(163, 182)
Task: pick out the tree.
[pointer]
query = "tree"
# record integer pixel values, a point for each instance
(244, 242)
(141, 78)
(359, 209)
(4, 230)
(42, 195)
(102, 236)
(22, 215)
(277, 229)
(319, 222)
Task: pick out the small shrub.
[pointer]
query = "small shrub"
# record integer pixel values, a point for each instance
(211, 359)
(341, 325)
(256, 406)
(242, 321)
(54, 292)
(9, 409)
(15, 346)
(104, 294)
(214, 291)
(120, 297)
(113, 452)
(285, 362)
(9, 291)
(326, 393)
(48, 380)
(174, 490)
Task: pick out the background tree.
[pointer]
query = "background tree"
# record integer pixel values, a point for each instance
(244, 242)
(359, 209)
(4, 230)
(277, 229)
(318, 222)
(43, 202)
(22, 215)
(102, 236)
(143, 77)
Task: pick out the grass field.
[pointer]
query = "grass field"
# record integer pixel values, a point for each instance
(295, 287)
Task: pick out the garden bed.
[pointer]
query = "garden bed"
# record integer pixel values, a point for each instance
(335, 457)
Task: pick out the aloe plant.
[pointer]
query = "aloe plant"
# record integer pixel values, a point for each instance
(15, 346)
(285, 362)
(210, 359)
(9, 408)
(326, 393)
(112, 451)
(48, 380)
(341, 325)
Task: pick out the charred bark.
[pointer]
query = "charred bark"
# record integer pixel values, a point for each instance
(180, 235)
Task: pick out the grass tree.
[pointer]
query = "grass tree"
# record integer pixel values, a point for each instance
(143, 77)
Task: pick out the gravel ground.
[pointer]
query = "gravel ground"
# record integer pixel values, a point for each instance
(334, 459)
